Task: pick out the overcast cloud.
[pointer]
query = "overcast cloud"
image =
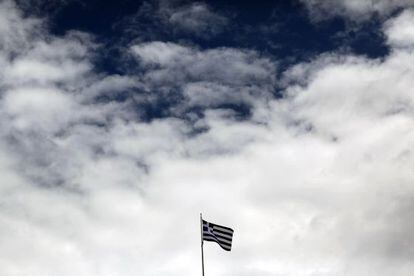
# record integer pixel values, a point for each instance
(317, 182)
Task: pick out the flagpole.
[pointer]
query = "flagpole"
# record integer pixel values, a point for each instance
(202, 251)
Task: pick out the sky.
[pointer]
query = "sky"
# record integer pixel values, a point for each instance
(291, 122)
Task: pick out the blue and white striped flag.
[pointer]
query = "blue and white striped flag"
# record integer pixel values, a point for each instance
(219, 234)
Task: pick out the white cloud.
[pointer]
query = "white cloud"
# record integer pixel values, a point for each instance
(316, 183)
(179, 63)
(210, 77)
(38, 108)
(58, 60)
(400, 30)
(162, 53)
(15, 33)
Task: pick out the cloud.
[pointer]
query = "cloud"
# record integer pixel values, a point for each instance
(354, 9)
(207, 78)
(186, 64)
(399, 30)
(318, 182)
(197, 19)
(167, 20)
(15, 32)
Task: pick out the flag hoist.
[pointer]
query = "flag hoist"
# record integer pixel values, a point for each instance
(222, 235)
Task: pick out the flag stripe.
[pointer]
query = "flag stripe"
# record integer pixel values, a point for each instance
(222, 236)
(223, 239)
(219, 242)
(222, 229)
(218, 232)
(225, 247)
(219, 239)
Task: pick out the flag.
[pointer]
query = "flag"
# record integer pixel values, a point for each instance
(219, 234)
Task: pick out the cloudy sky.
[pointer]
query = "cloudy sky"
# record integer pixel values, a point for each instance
(290, 121)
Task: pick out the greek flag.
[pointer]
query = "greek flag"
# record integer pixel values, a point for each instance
(219, 234)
